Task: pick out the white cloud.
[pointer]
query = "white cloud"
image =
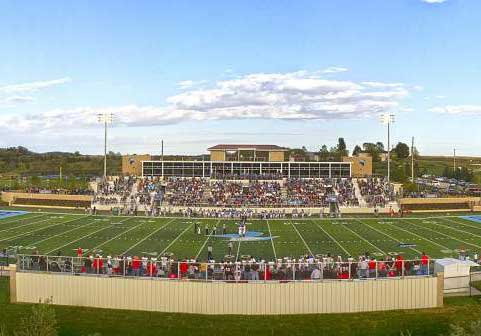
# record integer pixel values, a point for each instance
(18, 99)
(287, 96)
(187, 84)
(32, 86)
(334, 69)
(469, 110)
(382, 85)
(434, 1)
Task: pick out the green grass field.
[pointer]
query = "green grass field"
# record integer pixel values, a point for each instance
(92, 321)
(52, 233)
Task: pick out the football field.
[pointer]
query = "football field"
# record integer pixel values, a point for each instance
(55, 233)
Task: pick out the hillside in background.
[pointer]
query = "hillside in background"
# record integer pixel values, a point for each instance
(19, 161)
(467, 168)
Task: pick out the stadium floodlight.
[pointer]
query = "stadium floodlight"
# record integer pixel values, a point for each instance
(106, 119)
(388, 119)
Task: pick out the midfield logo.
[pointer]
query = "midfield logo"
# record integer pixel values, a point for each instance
(250, 236)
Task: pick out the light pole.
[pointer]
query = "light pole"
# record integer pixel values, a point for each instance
(388, 119)
(105, 118)
(454, 161)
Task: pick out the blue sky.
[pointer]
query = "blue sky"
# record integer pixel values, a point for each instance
(198, 73)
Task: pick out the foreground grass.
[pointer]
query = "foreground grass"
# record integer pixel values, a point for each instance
(87, 321)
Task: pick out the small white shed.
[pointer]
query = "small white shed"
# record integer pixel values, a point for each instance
(456, 274)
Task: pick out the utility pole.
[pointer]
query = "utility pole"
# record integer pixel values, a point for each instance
(412, 160)
(454, 160)
(105, 118)
(387, 119)
(162, 150)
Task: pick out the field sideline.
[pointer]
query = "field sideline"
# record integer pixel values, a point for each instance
(63, 233)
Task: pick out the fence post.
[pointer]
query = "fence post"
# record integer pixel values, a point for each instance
(178, 270)
(377, 275)
(47, 263)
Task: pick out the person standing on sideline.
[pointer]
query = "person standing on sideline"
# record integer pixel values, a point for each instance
(206, 229)
(230, 246)
(224, 229)
(424, 264)
(209, 252)
(79, 252)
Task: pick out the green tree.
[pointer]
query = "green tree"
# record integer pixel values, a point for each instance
(341, 147)
(372, 149)
(357, 150)
(324, 153)
(402, 150)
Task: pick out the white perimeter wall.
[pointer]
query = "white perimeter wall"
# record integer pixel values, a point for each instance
(229, 298)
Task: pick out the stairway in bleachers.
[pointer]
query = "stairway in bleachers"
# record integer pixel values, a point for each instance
(357, 192)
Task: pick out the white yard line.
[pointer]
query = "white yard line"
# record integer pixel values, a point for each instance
(462, 223)
(299, 234)
(83, 237)
(148, 236)
(272, 240)
(42, 228)
(31, 223)
(459, 230)
(6, 221)
(205, 243)
(176, 238)
(364, 239)
(238, 251)
(389, 236)
(443, 234)
(62, 233)
(334, 240)
(117, 236)
(419, 236)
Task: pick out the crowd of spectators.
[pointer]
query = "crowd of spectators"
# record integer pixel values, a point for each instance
(247, 268)
(256, 193)
(249, 176)
(346, 192)
(375, 191)
(149, 191)
(185, 191)
(192, 192)
(77, 191)
(302, 192)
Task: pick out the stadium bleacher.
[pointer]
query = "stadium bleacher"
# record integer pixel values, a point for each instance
(193, 192)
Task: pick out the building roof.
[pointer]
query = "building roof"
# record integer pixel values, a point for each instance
(247, 147)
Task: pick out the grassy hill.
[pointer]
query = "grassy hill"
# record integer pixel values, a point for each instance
(432, 165)
(19, 161)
